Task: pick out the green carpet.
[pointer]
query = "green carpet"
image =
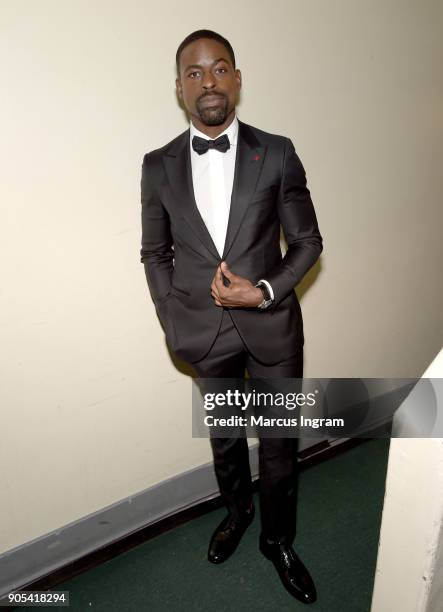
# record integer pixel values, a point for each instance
(339, 514)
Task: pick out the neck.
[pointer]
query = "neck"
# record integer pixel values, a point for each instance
(212, 131)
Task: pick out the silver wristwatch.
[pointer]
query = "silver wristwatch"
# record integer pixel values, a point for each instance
(267, 300)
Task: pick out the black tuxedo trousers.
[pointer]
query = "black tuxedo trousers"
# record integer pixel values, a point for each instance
(229, 357)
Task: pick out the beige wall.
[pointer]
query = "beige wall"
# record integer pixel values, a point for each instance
(92, 407)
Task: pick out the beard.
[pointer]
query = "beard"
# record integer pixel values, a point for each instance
(215, 115)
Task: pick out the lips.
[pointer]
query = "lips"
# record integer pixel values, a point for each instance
(211, 100)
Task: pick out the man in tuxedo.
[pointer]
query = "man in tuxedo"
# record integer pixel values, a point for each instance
(213, 202)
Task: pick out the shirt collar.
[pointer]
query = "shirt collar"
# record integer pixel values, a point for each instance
(231, 131)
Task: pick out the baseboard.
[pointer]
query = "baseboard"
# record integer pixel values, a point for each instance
(33, 560)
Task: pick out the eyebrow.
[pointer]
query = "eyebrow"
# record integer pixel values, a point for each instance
(220, 59)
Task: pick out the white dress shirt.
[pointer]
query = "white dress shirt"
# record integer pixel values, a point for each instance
(213, 178)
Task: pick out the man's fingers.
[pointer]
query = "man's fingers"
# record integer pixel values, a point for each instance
(226, 271)
(216, 298)
(215, 286)
(218, 288)
(219, 285)
(215, 293)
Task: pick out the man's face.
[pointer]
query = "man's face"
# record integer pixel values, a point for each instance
(208, 84)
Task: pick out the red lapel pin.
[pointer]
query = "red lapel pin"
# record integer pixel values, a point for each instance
(257, 157)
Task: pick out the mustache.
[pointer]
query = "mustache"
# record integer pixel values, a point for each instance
(211, 95)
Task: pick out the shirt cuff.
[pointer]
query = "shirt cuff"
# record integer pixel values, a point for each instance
(271, 293)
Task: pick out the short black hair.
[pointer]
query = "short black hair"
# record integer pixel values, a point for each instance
(203, 34)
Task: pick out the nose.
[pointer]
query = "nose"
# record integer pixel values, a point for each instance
(208, 81)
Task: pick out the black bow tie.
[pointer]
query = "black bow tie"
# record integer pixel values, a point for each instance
(200, 145)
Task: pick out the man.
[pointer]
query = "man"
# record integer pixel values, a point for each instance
(213, 201)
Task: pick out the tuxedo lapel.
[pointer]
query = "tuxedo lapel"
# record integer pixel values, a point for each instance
(248, 164)
(177, 160)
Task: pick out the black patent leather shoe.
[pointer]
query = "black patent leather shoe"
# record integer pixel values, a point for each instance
(293, 574)
(227, 536)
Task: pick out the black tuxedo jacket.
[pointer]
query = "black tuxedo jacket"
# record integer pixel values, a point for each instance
(180, 258)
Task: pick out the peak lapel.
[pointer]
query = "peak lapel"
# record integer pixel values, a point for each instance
(177, 162)
(248, 166)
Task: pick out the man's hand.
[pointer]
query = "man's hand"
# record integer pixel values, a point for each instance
(240, 292)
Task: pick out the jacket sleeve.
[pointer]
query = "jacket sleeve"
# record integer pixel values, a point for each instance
(156, 252)
(299, 224)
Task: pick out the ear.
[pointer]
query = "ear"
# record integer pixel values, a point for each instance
(238, 77)
(178, 87)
